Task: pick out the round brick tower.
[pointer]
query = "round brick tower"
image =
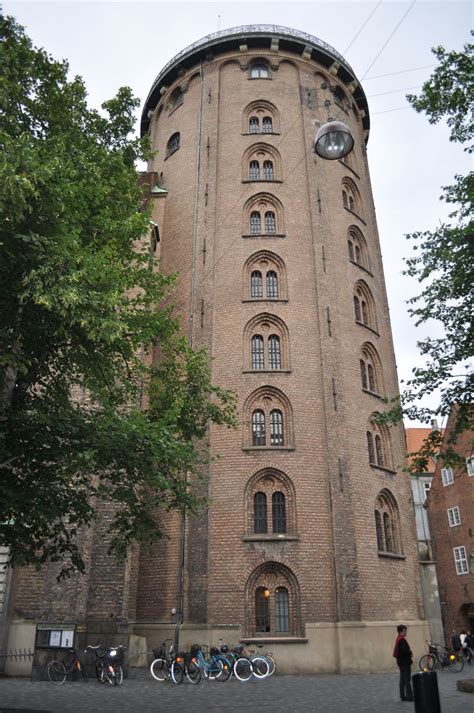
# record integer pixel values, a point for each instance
(309, 534)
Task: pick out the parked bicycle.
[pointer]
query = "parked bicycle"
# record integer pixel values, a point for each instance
(214, 665)
(160, 667)
(440, 657)
(59, 670)
(248, 664)
(108, 664)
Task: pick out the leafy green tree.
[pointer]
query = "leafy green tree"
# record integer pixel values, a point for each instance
(444, 257)
(80, 324)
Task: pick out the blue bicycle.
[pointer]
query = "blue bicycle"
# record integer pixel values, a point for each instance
(215, 666)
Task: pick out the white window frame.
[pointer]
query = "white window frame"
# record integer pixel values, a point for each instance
(460, 560)
(470, 465)
(454, 516)
(426, 489)
(447, 475)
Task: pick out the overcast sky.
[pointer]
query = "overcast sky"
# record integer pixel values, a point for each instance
(111, 44)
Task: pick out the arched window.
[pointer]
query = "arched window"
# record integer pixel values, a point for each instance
(379, 445)
(364, 306)
(258, 428)
(371, 369)
(262, 610)
(380, 460)
(370, 447)
(387, 524)
(254, 125)
(357, 248)
(267, 405)
(272, 285)
(173, 144)
(270, 504)
(259, 70)
(278, 512)
(177, 98)
(282, 614)
(260, 513)
(276, 427)
(256, 285)
(255, 223)
(350, 196)
(254, 171)
(270, 222)
(272, 600)
(340, 98)
(267, 125)
(274, 352)
(268, 170)
(257, 352)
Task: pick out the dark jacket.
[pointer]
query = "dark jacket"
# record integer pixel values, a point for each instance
(456, 642)
(404, 655)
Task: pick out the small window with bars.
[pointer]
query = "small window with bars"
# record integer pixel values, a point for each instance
(260, 513)
(274, 352)
(268, 170)
(254, 125)
(256, 285)
(262, 610)
(272, 285)
(267, 125)
(258, 361)
(258, 428)
(254, 171)
(282, 613)
(278, 513)
(276, 427)
(270, 222)
(255, 223)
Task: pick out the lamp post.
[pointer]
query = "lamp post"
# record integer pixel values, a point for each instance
(334, 140)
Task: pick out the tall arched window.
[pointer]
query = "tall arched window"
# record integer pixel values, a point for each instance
(274, 352)
(255, 223)
(276, 427)
(380, 460)
(370, 447)
(173, 144)
(260, 513)
(350, 195)
(363, 373)
(357, 248)
(282, 614)
(254, 125)
(364, 305)
(379, 444)
(371, 369)
(262, 610)
(256, 285)
(272, 285)
(278, 512)
(357, 310)
(270, 222)
(267, 125)
(268, 170)
(387, 524)
(258, 359)
(254, 171)
(258, 428)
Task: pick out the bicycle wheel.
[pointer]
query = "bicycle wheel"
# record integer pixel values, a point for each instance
(56, 672)
(243, 669)
(225, 669)
(260, 667)
(110, 674)
(455, 664)
(118, 672)
(160, 670)
(427, 662)
(177, 673)
(193, 672)
(271, 663)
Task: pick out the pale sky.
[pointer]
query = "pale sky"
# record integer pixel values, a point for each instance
(111, 44)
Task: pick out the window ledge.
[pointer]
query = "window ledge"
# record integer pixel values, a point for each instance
(267, 299)
(390, 471)
(390, 555)
(272, 537)
(268, 448)
(373, 393)
(365, 269)
(263, 235)
(262, 180)
(274, 640)
(261, 133)
(371, 329)
(170, 153)
(266, 371)
(352, 212)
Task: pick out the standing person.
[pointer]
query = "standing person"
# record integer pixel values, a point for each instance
(466, 649)
(402, 653)
(456, 642)
(470, 646)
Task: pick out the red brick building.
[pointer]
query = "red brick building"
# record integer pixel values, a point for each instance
(450, 506)
(309, 538)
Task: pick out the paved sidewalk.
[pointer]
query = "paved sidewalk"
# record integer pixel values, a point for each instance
(377, 693)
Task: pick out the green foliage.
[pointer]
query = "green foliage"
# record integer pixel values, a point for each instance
(80, 311)
(443, 258)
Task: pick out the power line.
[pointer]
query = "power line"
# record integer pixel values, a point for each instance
(393, 91)
(403, 71)
(364, 24)
(388, 39)
(387, 111)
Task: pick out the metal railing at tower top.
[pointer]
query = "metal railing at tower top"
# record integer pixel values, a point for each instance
(255, 31)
